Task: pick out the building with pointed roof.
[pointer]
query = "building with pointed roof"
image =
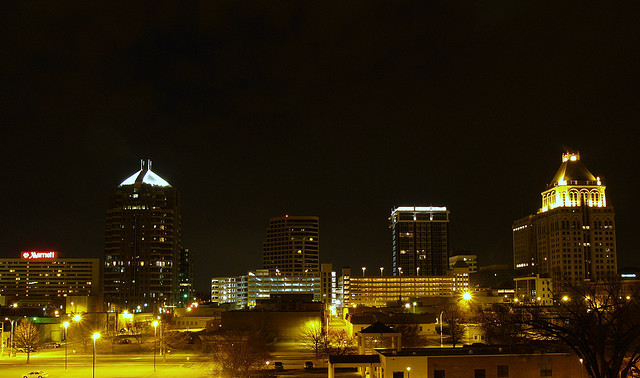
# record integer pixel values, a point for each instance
(572, 237)
(142, 243)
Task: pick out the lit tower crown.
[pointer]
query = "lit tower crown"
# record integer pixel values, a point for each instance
(573, 186)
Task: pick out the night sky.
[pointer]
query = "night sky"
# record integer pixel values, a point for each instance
(341, 110)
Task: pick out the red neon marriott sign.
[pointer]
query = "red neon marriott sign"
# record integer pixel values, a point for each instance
(36, 255)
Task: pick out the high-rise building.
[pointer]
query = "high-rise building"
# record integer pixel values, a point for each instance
(572, 237)
(185, 277)
(142, 243)
(420, 241)
(292, 245)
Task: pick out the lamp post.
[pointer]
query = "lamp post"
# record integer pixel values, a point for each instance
(65, 325)
(381, 270)
(364, 268)
(441, 344)
(408, 371)
(581, 361)
(155, 343)
(95, 336)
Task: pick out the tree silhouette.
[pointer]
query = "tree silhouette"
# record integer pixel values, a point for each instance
(26, 336)
(600, 322)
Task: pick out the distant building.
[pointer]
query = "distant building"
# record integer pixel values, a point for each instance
(537, 289)
(142, 244)
(572, 237)
(42, 278)
(186, 291)
(292, 245)
(493, 277)
(420, 238)
(470, 260)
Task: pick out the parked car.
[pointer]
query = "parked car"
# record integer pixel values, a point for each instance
(52, 345)
(36, 374)
(24, 349)
(308, 365)
(124, 341)
(278, 366)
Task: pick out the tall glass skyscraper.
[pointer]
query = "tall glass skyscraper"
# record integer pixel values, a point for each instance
(142, 243)
(420, 240)
(292, 245)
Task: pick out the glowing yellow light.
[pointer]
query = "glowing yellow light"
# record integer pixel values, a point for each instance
(96, 336)
(65, 324)
(77, 318)
(155, 323)
(466, 296)
(565, 298)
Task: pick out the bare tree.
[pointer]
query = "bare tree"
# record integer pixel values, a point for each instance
(80, 332)
(26, 336)
(502, 325)
(453, 316)
(339, 342)
(314, 337)
(598, 321)
(239, 354)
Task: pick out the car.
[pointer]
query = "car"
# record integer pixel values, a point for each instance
(25, 349)
(124, 341)
(308, 365)
(52, 345)
(36, 374)
(278, 366)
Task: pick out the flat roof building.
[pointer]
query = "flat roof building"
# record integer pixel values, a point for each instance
(420, 237)
(42, 277)
(292, 245)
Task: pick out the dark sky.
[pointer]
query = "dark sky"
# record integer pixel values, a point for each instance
(342, 110)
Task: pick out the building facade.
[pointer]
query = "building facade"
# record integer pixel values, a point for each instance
(40, 278)
(292, 245)
(572, 238)
(381, 291)
(420, 238)
(246, 291)
(186, 291)
(142, 243)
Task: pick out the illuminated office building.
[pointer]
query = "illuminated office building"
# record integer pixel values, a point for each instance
(292, 245)
(572, 237)
(420, 241)
(39, 278)
(142, 243)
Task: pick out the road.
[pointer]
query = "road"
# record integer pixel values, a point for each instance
(140, 365)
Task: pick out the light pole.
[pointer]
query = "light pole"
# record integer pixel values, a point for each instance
(363, 270)
(155, 343)
(381, 270)
(95, 336)
(581, 361)
(65, 325)
(441, 344)
(417, 271)
(408, 371)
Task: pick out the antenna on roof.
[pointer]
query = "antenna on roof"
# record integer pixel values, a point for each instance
(149, 164)
(141, 164)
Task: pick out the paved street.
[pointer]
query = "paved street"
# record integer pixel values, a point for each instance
(136, 365)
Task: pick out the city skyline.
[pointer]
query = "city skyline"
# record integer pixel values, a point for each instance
(339, 113)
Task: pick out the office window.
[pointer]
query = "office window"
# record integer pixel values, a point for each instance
(480, 373)
(438, 374)
(503, 370)
(545, 371)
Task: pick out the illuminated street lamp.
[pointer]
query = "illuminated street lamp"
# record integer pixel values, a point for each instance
(363, 270)
(155, 342)
(466, 296)
(95, 337)
(441, 345)
(381, 270)
(408, 371)
(77, 318)
(65, 325)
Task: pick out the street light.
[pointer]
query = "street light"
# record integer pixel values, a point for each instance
(77, 318)
(363, 269)
(581, 361)
(408, 371)
(95, 336)
(381, 270)
(466, 296)
(65, 325)
(441, 345)
(155, 342)
(11, 343)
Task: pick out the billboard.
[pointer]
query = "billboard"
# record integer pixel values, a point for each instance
(39, 255)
